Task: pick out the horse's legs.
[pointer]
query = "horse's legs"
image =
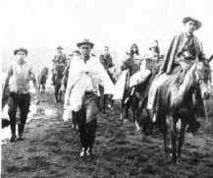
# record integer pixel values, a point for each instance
(43, 88)
(126, 112)
(59, 96)
(39, 86)
(167, 135)
(56, 93)
(181, 138)
(136, 116)
(165, 132)
(174, 139)
(104, 103)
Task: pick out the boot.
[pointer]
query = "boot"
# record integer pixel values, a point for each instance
(13, 138)
(20, 131)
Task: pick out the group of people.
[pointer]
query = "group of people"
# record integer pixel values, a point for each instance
(86, 72)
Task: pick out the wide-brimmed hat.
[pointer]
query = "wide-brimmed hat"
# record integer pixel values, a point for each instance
(85, 42)
(198, 24)
(59, 47)
(20, 49)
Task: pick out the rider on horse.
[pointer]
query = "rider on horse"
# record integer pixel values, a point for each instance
(59, 59)
(106, 61)
(133, 65)
(183, 52)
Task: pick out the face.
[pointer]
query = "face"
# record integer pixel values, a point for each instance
(85, 50)
(190, 26)
(106, 50)
(21, 56)
(59, 51)
(134, 48)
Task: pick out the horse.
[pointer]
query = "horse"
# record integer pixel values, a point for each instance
(176, 105)
(136, 98)
(59, 72)
(42, 78)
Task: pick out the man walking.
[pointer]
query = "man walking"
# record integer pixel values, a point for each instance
(86, 73)
(18, 78)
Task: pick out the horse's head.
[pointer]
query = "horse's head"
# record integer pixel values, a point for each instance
(203, 78)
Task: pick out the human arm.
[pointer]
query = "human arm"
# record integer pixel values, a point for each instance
(7, 79)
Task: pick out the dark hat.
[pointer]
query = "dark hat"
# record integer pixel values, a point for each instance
(85, 42)
(198, 24)
(20, 49)
(59, 47)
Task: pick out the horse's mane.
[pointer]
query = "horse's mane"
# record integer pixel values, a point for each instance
(179, 91)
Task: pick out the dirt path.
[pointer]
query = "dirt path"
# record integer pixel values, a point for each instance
(51, 149)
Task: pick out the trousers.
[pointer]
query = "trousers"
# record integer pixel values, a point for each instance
(21, 101)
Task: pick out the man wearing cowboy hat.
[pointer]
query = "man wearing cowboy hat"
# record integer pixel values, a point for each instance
(59, 59)
(182, 53)
(86, 73)
(17, 81)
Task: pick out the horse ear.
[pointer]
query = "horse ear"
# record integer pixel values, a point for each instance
(210, 58)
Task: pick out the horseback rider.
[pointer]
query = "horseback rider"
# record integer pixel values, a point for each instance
(132, 63)
(59, 59)
(184, 49)
(18, 81)
(106, 58)
(136, 66)
(155, 50)
(86, 73)
(106, 61)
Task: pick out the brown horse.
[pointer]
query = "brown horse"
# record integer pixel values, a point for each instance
(42, 78)
(176, 105)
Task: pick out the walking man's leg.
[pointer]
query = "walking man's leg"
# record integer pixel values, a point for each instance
(13, 104)
(24, 109)
(91, 124)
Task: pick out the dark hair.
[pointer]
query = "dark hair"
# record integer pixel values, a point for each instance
(134, 52)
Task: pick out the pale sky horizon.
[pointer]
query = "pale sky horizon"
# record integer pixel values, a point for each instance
(116, 23)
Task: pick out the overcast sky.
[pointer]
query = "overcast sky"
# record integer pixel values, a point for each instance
(117, 23)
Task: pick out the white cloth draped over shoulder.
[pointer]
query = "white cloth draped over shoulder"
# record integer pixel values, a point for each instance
(85, 77)
(140, 76)
(136, 79)
(120, 86)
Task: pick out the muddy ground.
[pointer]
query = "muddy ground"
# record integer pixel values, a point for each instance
(51, 150)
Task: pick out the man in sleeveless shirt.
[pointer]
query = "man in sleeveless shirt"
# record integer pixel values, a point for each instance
(18, 77)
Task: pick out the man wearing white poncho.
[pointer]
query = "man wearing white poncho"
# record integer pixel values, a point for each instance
(86, 73)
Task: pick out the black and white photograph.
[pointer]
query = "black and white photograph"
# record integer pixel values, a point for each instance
(106, 89)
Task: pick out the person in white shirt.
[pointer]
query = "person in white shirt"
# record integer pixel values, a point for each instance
(81, 97)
